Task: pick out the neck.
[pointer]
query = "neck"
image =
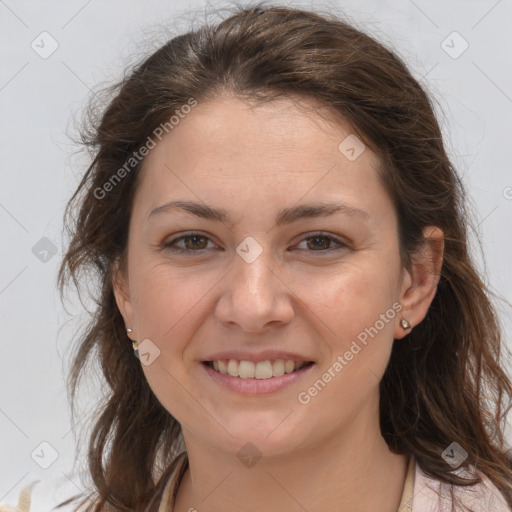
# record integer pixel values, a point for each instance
(330, 476)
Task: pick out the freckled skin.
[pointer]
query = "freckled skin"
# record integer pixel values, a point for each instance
(253, 162)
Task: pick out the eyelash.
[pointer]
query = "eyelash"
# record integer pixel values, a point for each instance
(171, 244)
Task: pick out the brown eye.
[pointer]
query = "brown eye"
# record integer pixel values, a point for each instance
(194, 242)
(320, 242)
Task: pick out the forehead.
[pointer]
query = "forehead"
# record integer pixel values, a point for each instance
(232, 126)
(258, 152)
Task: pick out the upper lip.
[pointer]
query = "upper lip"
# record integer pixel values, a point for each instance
(256, 357)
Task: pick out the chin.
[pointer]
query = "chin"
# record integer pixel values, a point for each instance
(276, 440)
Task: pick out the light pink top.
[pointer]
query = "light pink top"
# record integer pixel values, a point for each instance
(431, 495)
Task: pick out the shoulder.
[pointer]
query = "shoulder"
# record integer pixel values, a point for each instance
(433, 495)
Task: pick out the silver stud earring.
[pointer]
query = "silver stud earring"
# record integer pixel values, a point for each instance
(129, 331)
(405, 324)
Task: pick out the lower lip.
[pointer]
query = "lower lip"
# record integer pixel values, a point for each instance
(257, 386)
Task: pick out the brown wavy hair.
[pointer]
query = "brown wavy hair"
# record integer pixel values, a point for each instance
(445, 381)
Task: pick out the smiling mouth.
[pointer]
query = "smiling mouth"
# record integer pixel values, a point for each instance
(261, 370)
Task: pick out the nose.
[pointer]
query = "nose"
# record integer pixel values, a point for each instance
(255, 295)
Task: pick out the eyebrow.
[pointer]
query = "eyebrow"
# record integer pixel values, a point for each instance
(285, 216)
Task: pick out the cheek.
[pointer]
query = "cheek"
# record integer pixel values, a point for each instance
(353, 299)
(167, 309)
(357, 325)
(165, 303)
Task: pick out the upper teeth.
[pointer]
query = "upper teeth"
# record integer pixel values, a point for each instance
(260, 370)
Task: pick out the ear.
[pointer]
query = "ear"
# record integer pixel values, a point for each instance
(420, 285)
(122, 293)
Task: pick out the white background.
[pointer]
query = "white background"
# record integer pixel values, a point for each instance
(96, 40)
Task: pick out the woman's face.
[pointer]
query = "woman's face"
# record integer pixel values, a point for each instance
(273, 281)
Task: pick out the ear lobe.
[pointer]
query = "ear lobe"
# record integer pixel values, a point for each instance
(121, 291)
(420, 286)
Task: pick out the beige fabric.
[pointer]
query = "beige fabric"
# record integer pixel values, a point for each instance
(407, 494)
(171, 489)
(23, 500)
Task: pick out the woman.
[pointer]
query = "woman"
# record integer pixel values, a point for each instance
(288, 317)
